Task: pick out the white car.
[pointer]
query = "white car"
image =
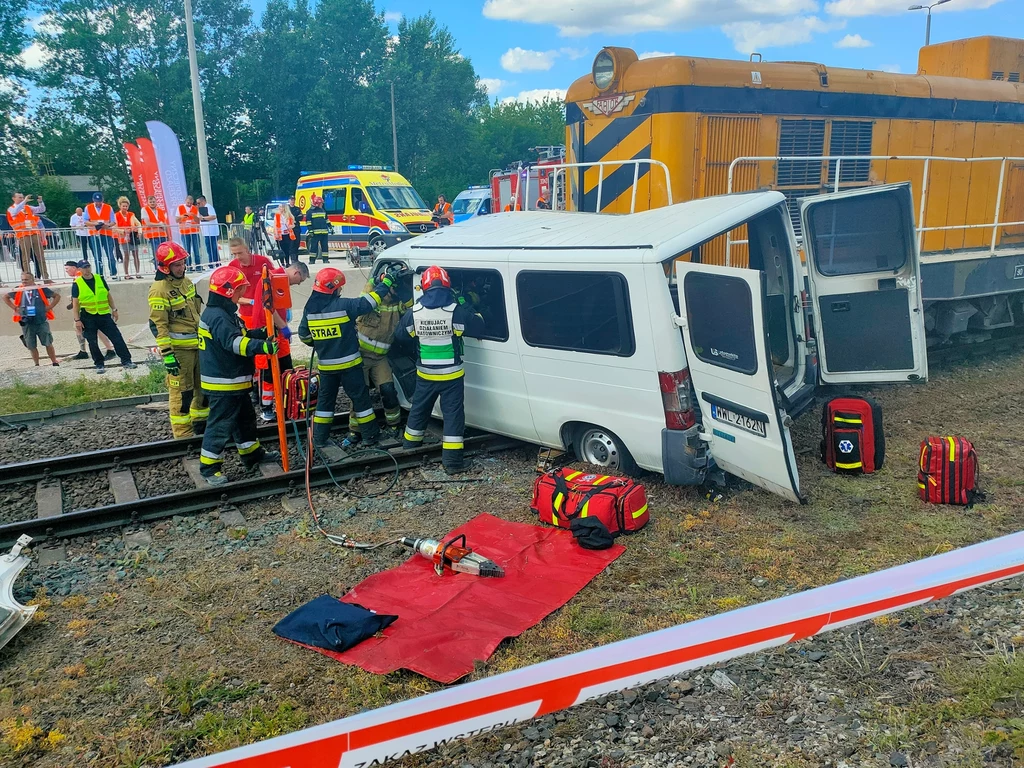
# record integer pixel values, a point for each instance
(605, 334)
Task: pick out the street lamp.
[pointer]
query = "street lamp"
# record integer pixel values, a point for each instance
(197, 104)
(928, 26)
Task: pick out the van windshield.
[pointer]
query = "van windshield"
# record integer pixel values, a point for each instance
(393, 198)
(467, 204)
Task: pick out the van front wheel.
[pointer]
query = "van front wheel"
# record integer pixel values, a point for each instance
(377, 245)
(598, 446)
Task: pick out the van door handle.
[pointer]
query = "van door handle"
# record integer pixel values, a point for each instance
(840, 306)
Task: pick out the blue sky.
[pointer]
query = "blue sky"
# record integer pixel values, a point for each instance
(523, 46)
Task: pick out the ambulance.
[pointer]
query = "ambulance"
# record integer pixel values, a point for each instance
(370, 207)
(475, 201)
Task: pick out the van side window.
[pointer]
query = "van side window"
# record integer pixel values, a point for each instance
(720, 321)
(484, 292)
(858, 235)
(334, 200)
(580, 311)
(359, 203)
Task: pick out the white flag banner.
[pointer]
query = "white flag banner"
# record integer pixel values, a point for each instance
(172, 170)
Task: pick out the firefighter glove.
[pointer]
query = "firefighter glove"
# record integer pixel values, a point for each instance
(171, 364)
(269, 348)
(386, 279)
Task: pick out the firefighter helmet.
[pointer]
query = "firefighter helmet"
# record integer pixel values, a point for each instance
(433, 276)
(168, 253)
(328, 280)
(317, 200)
(227, 281)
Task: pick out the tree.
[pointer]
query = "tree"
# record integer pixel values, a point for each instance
(60, 201)
(13, 39)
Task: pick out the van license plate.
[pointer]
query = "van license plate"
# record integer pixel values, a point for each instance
(745, 423)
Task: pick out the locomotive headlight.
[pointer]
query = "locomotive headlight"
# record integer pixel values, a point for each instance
(604, 70)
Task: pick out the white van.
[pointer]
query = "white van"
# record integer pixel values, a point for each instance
(605, 334)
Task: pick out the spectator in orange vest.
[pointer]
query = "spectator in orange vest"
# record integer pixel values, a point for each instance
(443, 212)
(154, 225)
(128, 228)
(188, 225)
(33, 309)
(284, 234)
(24, 220)
(99, 217)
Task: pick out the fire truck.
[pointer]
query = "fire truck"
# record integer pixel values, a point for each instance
(524, 183)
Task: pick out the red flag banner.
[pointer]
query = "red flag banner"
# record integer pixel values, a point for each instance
(151, 172)
(138, 173)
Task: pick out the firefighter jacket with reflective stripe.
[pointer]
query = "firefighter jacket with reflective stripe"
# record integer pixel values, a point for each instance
(226, 349)
(328, 326)
(174, 311)
(316, 219)
(438, 322)
(93, 302)
(377, 328)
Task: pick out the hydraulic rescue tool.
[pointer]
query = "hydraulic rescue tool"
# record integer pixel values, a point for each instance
(453, 556)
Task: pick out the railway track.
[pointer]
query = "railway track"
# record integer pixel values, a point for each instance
(52, 524)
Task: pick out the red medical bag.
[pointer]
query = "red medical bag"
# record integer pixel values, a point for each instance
(852, 440)
(296, 383)
(948, 471)
(561, 495)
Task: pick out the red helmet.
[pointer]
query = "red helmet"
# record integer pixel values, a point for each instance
(168, 253)
(328, 280)
(317, 200)
(432, 276)
(227, 281)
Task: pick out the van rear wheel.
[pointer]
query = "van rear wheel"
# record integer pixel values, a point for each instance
(602, 448)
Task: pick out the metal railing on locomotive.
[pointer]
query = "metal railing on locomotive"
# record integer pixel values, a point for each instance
(927, 160)
(557, 170)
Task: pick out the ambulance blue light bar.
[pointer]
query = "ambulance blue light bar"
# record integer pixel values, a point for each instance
(478, 186)
(370, 168)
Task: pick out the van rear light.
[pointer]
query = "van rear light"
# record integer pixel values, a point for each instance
(675, 398)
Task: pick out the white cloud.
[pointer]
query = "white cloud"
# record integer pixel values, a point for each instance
(392, 16)
(492, 85)
(574, 53)
(575, 18)
(34, 56)
(891, 7)
(750, 36)
(536, 96)
(853, 41)
(520, 60)
(656, 54)
(893, 68)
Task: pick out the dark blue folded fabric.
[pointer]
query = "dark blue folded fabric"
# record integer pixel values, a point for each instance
(331, 624)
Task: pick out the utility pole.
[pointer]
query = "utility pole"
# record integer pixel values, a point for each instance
(197, 105)
(928, 24)
(394, 127)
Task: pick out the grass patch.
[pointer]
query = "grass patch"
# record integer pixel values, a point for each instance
(21, 398)
(217, 731)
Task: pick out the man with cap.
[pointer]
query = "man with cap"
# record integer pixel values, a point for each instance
(94, 312)
(71, 270)
(99, 218)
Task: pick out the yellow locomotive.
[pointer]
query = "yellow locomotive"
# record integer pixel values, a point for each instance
(643, 133)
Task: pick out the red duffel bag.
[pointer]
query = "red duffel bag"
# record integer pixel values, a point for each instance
(561, 495)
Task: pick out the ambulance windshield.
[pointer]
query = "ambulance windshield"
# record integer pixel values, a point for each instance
(393, 198)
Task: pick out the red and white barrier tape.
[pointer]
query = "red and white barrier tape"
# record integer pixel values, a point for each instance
(421, 724)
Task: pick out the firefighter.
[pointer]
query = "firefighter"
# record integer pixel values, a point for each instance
(327, 327)
(226, 351)
(376, 332)
(443, 212)
(438, 321)
(174, 312)
(317, 230)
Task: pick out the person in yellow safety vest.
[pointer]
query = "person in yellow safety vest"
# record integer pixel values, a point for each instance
(33, 309)
(174, 312)
(94, 311)
(249, 226)
(443, 212)
(376, 332)
(24, 220)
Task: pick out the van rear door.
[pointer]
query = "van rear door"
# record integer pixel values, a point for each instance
(724, 331)
(864, 274)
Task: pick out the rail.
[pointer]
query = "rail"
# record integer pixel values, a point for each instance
(926, 159)
(63, 244)
(600, 165)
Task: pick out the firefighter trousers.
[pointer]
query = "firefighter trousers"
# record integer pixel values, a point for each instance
(453, 411)
(361, 412)
(187, 401)
(317, 247)
(232, 418)
(377, 375)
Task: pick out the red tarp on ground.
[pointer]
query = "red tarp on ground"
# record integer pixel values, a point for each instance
(445, 624)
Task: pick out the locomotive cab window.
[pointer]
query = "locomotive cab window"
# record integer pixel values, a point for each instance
(859, 235)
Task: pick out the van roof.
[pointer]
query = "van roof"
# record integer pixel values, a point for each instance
(346, 178)
(485, 192)
(658, 234)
